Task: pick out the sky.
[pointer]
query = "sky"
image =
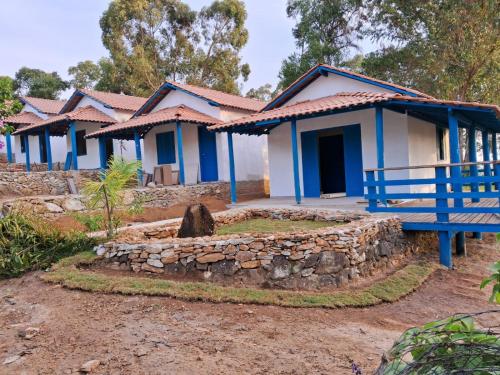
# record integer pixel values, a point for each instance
(53, 35)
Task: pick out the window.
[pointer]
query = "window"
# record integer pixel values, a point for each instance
(441, 144)
(81, 143)
(165, 148)
(23, 144)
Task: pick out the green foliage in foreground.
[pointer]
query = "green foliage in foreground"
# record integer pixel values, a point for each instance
(66, 273)
(495, 279)
(272, 226)
(27, 244)
(450, 346)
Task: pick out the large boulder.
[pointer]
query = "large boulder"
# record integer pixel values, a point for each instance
(197, 222)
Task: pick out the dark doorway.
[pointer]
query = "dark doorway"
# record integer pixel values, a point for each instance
(109, 149)
(331, 164)
(43, 148)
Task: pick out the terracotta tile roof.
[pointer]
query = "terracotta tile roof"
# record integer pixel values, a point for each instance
(182, 113)
(337, 102)
(218, 97)
(23, 118)
(115, 101)
(316, 72)
(88, 114)
(48, 106)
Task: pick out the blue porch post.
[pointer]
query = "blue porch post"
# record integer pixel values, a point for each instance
(379, 128)
(179, 150)
(486, 157)
(496, 167)
(295, 155)
(445, 257)
(232, 175)
(456, 172)
(27, 152)
(473, 168)
(102, 153)
(138, 156)
(48, 149)
(8, 142)
(74, 157)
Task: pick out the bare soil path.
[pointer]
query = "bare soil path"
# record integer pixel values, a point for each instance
(150, 335)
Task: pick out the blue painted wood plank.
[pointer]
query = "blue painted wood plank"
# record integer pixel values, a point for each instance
(442, 195)
(310, 164)
(450, 210)
(432, 181)
(466, 227)
(74, 155)
(180, 151)
(295, 155)
(48, 148)
(138, 156)
(232, 175)
(27, 152)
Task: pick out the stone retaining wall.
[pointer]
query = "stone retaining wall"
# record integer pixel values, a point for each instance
(42, 183)
(52, 206)
(327, 257)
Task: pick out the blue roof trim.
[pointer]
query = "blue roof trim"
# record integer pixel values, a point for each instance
(324, 71)
(170, 86)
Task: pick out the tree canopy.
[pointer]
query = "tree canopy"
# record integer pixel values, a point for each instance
(9, 105)
(37, 83)
(153, 40)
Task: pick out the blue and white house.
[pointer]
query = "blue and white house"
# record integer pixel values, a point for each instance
(171, 129)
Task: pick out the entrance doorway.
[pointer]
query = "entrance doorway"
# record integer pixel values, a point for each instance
(109, 149)
(43, 148)
(331, 164)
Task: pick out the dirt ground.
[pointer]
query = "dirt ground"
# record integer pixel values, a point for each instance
(149, 215)
(151, 335)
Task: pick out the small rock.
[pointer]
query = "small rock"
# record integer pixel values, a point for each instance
(52, 207)
(141, 352)
(11, 359)
(90, 366)
(28, 333)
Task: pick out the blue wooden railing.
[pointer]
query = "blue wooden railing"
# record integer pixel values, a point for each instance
(451, 191)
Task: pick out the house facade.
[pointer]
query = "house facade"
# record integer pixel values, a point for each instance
(171, 129)
(35, 110)
(332, 124)
(87, 111)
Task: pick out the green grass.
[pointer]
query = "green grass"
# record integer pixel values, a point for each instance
(272, 226)
(392, 288)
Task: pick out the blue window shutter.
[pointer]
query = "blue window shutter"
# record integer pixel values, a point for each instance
(165, 148)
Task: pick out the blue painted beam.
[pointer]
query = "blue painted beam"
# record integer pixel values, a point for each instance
(8, 141)
(102, 154)
(74, 156)
(442, 190)
(471, 133)
(437, 210)
(427, 181)
(452, 227)
(178, 127)
(232, 174)
(486, 157)
(445, 249)
(295, 156)
(444, 195)
(138, 156)
(27, 152)
(48, 148)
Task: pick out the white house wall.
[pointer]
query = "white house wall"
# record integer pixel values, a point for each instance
(331, 85)
(177, 97)
(395, 140)
(91, 160)
(123, 148)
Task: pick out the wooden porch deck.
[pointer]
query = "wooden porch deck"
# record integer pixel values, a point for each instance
(459, 218)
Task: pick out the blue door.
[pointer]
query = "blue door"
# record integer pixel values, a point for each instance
(208, 155)
(353, 160)
(165, 148)
(310, 164)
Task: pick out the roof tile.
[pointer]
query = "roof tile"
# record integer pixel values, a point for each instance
(48, 106)
(23, 118)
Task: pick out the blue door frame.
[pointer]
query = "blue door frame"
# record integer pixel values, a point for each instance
(353, 161)
(208, 155)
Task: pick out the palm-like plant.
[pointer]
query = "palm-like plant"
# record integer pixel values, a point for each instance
(108, 192)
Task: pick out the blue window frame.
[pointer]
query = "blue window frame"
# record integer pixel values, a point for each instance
(165, 147)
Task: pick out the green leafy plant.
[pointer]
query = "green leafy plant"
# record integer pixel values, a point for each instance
(137, 206)
(92, 222)
(108, 192)
(495, 279)
(27, 244)
(450, 346)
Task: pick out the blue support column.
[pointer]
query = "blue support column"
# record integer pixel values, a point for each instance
(8, 141)
(444, 237)
(179, 150)
(456, 172)
(379, 128)
(496, 167)
(471, 133)
(74, 156)
(48, 148)
(295, 155)
(27, 152)
(486, 157)
(232, 174)
(138, 156)
(102, 153)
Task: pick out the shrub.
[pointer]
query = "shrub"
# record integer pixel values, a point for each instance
(28, 244)
(93, 223)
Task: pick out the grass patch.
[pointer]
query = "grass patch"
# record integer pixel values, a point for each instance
(272, 226)
(392, 288)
